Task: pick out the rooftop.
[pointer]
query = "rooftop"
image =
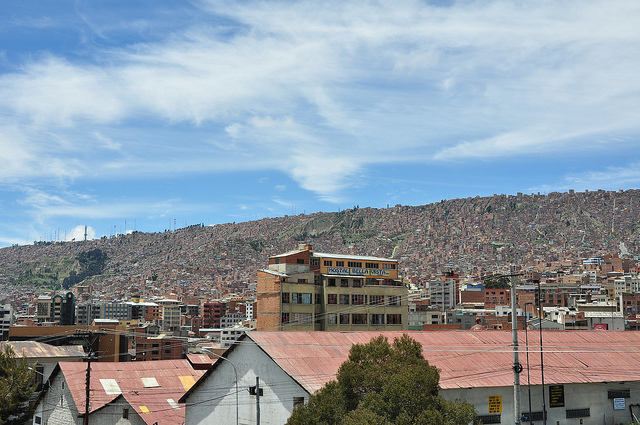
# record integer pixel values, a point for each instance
(466, 359)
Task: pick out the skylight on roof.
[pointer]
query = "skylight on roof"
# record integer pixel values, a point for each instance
(172, 403)
(110, 386)
(149, 382)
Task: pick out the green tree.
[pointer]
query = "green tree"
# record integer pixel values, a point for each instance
(384, 384)
(497, 282)
(16, 378)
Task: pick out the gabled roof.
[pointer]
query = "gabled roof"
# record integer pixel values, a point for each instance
(152, 388)
(466, 359)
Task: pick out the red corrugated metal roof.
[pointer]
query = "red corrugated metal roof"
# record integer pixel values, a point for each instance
(174, 378)
(467, 358)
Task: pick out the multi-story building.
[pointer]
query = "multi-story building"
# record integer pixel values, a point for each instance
(212, 311)
(60, 309)
(6, 320)
(308, 290)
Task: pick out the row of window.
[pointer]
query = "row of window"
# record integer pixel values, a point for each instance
(344, 319)
(359, 299)
(341, 299)
(536, 416)
(358, 264)
(357, 283)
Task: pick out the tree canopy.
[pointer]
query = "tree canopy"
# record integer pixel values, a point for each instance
(497, 282)
(384, 384)
(16, 386)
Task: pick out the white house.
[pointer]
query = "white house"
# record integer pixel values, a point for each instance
(590, 377)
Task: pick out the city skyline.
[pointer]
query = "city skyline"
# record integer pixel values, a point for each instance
(155, 115)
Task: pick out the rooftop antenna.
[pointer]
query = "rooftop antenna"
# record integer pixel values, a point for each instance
(85, 232)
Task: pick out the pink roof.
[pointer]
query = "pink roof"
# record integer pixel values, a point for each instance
(171, 379)
(467, 358)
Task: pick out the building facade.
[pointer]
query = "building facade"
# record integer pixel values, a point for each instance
(314, 291)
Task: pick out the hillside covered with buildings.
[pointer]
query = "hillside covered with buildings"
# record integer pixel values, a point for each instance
(472, 236)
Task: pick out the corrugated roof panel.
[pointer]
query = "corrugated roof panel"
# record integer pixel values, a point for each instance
(467, 358)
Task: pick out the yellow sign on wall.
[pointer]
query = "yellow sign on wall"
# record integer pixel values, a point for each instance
(495, 404)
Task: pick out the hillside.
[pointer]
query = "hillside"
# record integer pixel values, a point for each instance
(461, 233)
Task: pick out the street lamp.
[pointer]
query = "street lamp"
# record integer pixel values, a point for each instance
(235, 371)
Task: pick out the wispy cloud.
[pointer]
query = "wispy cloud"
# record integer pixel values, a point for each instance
(321, 92)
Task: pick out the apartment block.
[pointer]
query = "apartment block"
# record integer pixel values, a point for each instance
(314, 291)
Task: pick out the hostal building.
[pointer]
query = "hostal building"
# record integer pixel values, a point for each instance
(314, 291)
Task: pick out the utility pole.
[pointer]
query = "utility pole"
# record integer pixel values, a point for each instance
(257, 400)
(541, 313)
(87, 391)
(517, 367)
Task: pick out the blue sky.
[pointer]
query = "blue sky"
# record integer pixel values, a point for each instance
(135, 115)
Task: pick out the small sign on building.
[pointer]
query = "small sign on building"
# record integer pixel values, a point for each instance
(556, 395)
(495, 404)
(619, 404)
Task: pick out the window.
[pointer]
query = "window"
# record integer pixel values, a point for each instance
(356, 283)
(611, 394)
(332, 298)
(38, 420)
(344, 283)
(489, 419)
(376, 299)
(393, 300)
(300, 261)
(394, 319)
(298, 298)
(388, 266)
(314, 261)
(354, 263)
(339, 263)
(277, 261)
(578, 413)
(318, 299)
(302, 318)
(344, 318)
(372, 265)
(298, 401)
(125, 413)
(328, 263)
(535, 416)
(376, 319)
(285, 298)
(344, 299)
(357, 299)
(285, 318)
(332, 319)
(303, 281)
(359, 319)
(331, 282)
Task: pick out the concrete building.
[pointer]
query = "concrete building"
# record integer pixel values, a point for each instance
(588, 375)
(6, 320)
(307, 290)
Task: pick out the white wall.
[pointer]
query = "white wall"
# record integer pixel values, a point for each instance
(213, 401)
(576, 396)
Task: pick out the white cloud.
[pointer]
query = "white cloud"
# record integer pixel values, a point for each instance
(77, 234)
(322, 91)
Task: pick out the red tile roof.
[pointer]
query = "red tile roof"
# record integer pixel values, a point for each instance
(467, 359)
(174, 378)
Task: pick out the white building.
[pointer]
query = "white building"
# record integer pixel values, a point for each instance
(589, 376)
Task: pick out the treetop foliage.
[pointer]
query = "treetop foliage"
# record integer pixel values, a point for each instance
(384, 384)
(16, 378)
